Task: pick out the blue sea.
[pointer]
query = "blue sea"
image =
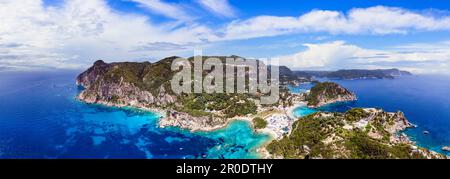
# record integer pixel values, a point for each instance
(425, 100)
(40, 118)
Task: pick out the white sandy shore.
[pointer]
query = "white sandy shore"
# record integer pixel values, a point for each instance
(290, 110)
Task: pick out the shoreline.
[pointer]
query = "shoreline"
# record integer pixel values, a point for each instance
(290, 110)
(261, 150)
(413, 139)
(161, 113)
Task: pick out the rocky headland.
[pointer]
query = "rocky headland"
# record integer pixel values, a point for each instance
(327, 93)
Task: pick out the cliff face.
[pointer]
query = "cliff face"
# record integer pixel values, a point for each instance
(326, 93)
(356, 134)
(90, 76)
(186, 121)
(125, 84)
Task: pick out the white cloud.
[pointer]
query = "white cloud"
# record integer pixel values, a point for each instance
(335, 55)
(374, 20)
(219, 7)
(173, 11)
(78, 31)
(322, 55)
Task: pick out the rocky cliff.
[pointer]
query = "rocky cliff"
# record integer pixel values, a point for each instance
(127, 84)
(147, 86)
(327, 93)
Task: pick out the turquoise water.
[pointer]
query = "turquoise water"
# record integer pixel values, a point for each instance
(301, 88)
(40, 118)
(424, 99)
(239, 141)
(303, 111)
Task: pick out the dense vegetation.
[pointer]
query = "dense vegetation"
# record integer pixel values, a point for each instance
(309, 133)
(325, 91)
(356, 114)
(259, 123)
(230, 105)
(305, 139)
(362, 146)
(146, 76)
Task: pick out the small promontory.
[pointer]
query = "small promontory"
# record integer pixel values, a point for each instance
(142, 85)
(357, 134)
(327, 93)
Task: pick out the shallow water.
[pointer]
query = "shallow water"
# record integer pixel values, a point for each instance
(303, 111)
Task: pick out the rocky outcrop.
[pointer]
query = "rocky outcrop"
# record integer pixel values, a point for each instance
(92, 74)
(122, 84)
(125, 94)
(185, 121)
(380, 124)
(358, 133)
(327, 93)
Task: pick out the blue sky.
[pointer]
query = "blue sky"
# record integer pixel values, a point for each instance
(312, 35)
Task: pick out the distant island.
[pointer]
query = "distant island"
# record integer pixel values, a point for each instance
(355, 74)
(358, 133)
(288, 76)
